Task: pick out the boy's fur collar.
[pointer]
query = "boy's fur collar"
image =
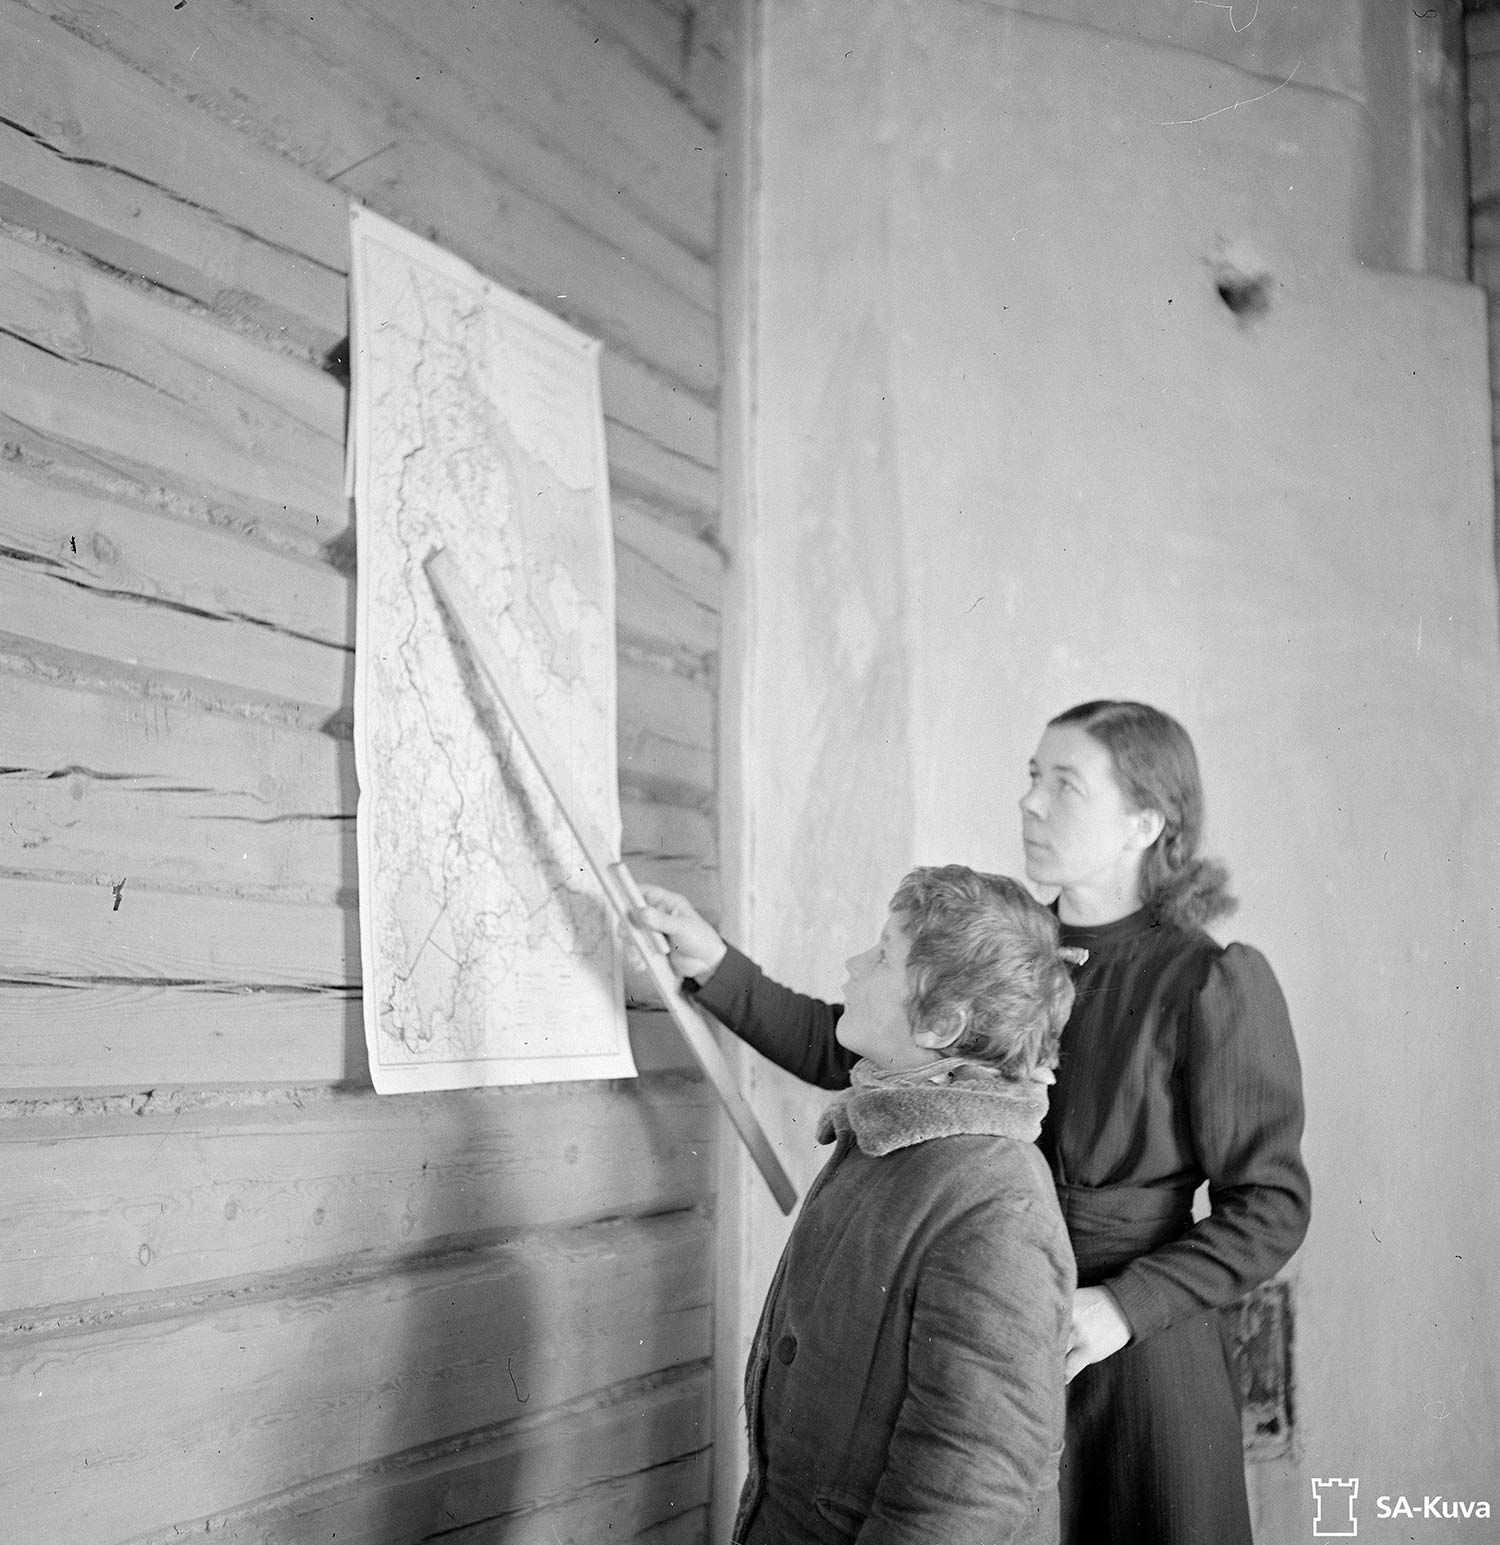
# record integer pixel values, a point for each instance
(885, 1117)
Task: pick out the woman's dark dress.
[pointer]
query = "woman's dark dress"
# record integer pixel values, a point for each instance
(1178, 1066)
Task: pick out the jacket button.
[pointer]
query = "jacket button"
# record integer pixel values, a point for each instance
(786, 1349)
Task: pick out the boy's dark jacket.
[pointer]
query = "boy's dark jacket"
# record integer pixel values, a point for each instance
(905, 1384)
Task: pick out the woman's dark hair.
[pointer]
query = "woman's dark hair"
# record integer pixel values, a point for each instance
(1157, 769)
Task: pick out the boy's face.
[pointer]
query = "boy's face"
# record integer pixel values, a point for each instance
(874, 1022)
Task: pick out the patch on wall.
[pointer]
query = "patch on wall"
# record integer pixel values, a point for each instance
(1260, 1335)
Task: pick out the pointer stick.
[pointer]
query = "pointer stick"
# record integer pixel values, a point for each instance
(618, 883)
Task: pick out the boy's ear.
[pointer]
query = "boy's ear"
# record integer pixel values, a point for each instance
(939, 1036)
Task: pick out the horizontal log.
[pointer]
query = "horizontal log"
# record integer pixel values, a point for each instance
(61, 932)
(667, 581)
(140, 230)
(71, 823)
(110, 545)
(42, 604)
(656, 34)
(710, 65)
(635, 1454)
(284, 408)
(658, 408)
(665, 733)
(91, 1037)
(667, 738)
(538, 252)
(182, 1195)
(337, 1375)
(82, 101)
(639, 466)
(233, 766)
(78, 827)
(194, 444)
(552, 107)
(658, 1506)
(377, 150)
(668, 585)
(67, 1040)
(137, 229)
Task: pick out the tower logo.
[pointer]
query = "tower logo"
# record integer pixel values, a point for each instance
(1335, 1508)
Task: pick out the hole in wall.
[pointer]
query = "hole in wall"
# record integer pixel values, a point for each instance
(1247, 295)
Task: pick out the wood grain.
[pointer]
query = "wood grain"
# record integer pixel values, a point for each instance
(177, 1193)
(94, 1039)
(585, 1471)
(328, 1377)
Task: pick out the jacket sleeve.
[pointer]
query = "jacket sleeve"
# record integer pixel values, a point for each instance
(1242, 1084)
(973, 1459)
(792, 1030)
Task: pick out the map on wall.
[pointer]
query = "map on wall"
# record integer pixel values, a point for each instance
(489, 952)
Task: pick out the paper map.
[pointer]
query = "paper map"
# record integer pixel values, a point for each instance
(489, 954)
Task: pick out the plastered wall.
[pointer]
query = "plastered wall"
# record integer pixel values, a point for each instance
(1011, 448)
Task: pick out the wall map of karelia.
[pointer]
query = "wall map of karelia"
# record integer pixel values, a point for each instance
(489, 954)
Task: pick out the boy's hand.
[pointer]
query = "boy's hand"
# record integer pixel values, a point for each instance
(694, 947)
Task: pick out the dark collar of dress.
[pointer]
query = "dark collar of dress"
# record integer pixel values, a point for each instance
(1098, 937)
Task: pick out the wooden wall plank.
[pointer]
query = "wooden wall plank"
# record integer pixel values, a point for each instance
(667, 580)
(84, 104)
(307, 104)
(91, 1036)
(179, 1193)
(659, 408)
(235, 766)
(654, 31)
(640, 466)
(156, 636)
(193, 443)
(73, 932)
(142, 230)
(332, 1377)
(75, 825)
(649, 1504)
(108, 1038)
(668, 584)
(80, 828)
(80, 313)
(667, 742)
(518, 1474)
(108, 545)
(554, 108)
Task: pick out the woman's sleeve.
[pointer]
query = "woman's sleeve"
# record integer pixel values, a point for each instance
(1242, 1083)
(794, 1031)
(973, 1459)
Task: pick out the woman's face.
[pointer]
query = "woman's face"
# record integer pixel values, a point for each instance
(1078, 830)
(874, 1022)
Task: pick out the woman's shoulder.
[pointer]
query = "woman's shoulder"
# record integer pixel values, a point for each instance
(1240, 977)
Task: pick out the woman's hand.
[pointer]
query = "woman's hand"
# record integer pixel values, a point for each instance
(1099, 1329)
(694, 947)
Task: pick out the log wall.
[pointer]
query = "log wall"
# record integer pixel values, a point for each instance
(238, 1293)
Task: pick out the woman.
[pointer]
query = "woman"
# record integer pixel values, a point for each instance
(905, 1384)
(1178, 1067)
